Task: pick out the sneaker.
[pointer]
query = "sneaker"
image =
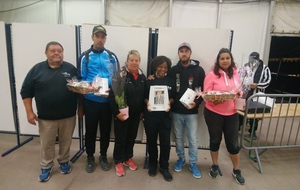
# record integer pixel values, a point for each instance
(65, 168)
(179, 164)
(195, 171)
(166, 173)
(152, 171)
(44, 175)
(104, 163)
(89, 168)
(130, 163)
(120, 170)
(214, 171)
(238, 177)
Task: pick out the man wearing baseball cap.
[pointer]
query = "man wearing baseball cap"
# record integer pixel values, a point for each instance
(185, 44)
(188, 74)
(97, 61)
(260, 77)
(99, 28)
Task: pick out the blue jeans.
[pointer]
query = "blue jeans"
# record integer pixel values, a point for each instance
(189, 123)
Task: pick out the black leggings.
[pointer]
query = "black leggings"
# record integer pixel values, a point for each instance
(217, 124)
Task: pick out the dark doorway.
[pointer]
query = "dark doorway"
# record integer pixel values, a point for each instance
(284, 63)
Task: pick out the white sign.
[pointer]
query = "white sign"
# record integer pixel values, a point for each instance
(188, 97)
(103, 83)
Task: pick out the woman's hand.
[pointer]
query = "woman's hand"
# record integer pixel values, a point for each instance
(151, 77)
(121, 117)
(169, 106)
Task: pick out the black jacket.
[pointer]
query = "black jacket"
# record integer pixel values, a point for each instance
(134, 94)
(191, 76)
(262, 77)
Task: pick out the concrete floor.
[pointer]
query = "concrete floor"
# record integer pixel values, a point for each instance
(20, 169)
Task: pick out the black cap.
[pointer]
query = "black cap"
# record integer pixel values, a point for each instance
(254, 55)
(99, 28)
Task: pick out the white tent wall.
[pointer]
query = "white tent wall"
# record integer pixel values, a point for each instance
(137, 13)
(78, 11)
(249, 23)
(145, 13)
(30, 11)
(286, 18)
(239, 15)
(194, 14)
(247, 20)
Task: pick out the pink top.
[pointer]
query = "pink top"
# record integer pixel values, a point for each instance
(222, 84)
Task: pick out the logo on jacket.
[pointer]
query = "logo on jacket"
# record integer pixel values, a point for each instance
(66, 74)
(177, 82)
(191, 79)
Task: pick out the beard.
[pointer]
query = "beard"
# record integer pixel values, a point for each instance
(184, 60)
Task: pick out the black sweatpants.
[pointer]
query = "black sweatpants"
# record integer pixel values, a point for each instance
(158, 125)
(97, 114)
(125, 135)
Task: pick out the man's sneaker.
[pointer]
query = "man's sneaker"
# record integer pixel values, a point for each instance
(130, 163)
(104, 163)
(214, 171)
(89, 168)
(65, 168)
(120, 170)
(179, 164)
(152, 171)
(166, 173)
(45, 174)
(195, 171)
(238, 177)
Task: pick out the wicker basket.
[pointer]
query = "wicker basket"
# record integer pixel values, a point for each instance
(82, 90)
(219, 96)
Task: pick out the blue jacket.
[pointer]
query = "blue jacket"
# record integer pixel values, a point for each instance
(100, 62)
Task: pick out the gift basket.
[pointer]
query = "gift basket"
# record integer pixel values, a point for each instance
(217, 95)
(82, 87)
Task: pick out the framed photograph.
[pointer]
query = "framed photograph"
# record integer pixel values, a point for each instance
(159, 98)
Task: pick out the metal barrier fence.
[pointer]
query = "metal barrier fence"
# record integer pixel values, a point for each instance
(278, 127)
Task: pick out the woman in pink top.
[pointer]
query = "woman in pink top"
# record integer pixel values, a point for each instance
(220, 115)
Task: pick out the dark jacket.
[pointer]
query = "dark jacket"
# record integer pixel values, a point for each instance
(48, 87)
(262, 77)
(134, 94)
(192, 77)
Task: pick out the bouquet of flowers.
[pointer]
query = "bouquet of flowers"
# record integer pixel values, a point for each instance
(246, 78)
(118, 86)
